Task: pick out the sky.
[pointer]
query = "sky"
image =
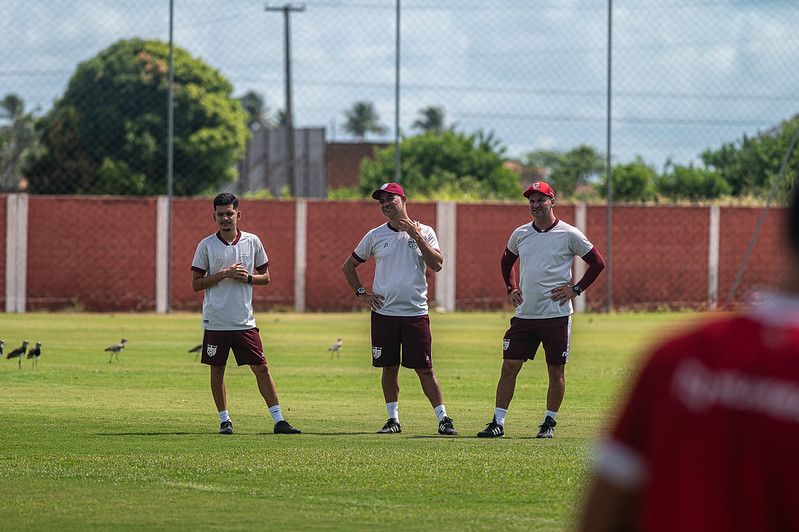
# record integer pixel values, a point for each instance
(685, 76)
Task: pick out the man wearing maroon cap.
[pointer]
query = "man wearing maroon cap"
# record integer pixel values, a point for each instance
(547, 248)
(403, 249)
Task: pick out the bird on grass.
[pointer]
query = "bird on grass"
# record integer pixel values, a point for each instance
(34, 353)
(336, 348)
(115, 349)
(18, 353)
(196, 349)
(2, 343)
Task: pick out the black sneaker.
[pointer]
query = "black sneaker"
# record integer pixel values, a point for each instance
(226, 427)
(492, 430)
(545, 430)
(445, 427)
(283, 427)
(391, 426)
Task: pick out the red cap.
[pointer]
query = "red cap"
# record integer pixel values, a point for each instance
(391, 188)
(540, 186)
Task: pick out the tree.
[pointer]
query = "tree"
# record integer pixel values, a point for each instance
(631, 182)
(257, 112)
(431, 119)
(108, 133)
(363, 119)
(687, 182)
(17, 139)
(751, 165)
(453, 164)
(566, 170)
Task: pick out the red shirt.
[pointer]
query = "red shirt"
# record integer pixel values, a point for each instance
(710, 433)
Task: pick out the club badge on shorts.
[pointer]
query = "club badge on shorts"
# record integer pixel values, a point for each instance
(376, 352)
(210, 350)
(505, 344)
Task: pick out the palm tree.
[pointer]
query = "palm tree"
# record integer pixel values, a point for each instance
(16, 140)
(431, 119)
(363, 119)
(257, 112)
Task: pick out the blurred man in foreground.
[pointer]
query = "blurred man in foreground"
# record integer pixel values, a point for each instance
(708, 436)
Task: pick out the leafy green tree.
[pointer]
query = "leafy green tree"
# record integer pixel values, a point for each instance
(687, 182)
(567, 170)
(453, 164)
(632, 182)
(17, 138)
(751, 165)
(363, 119)
(430, 119)
(108, 133)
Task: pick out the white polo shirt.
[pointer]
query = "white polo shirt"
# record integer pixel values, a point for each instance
(227, 306)
(545, 262)
(399, 268)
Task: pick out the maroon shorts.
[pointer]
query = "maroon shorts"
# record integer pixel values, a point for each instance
(411, 332)
(246, 345)
(524, 336)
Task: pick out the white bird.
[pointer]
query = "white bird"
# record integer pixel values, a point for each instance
(336, 348)
(18, 353)
(34, 353)
(116, 348)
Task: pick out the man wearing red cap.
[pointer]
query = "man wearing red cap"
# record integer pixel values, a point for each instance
(403, 249)
(547, 248)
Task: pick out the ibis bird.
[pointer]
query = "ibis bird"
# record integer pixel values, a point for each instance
(18, 353)
(336, 348)
(196, 349)
(115, 349)
(34, 353)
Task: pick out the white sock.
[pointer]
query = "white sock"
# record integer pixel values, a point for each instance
(549, 413)
(393, 410)
(276, 414)
(441, 412)
(223, 416)
(499, 415)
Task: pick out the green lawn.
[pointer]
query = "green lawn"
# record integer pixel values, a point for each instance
(88, 444)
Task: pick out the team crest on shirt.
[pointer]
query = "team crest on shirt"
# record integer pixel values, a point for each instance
(210, 350)
(412, 244)
(376, 352)
(505, 344)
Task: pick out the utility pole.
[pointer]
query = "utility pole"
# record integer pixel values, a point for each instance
(287, 9)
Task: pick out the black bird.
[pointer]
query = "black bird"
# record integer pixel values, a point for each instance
(116, 348)
(34, 353)
(196, 349)
(2, 343)
(18, 353)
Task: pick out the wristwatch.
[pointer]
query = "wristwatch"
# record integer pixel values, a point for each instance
(360, 291)
(577, 289)
(249, 279)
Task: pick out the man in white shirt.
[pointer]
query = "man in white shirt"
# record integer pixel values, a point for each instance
(226, 265)
(547, 248)
(403, 249)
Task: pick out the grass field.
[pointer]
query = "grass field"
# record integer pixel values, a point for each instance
(88, 444)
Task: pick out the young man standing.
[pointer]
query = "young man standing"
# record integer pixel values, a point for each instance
(403, 249)
(547, 248)
(226, 265)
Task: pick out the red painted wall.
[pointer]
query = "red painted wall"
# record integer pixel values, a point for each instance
(98, 253)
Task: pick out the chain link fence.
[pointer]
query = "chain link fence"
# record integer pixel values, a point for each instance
(684, 77)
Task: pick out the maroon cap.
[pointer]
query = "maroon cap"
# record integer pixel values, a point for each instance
(391, 188)
(540, 186)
